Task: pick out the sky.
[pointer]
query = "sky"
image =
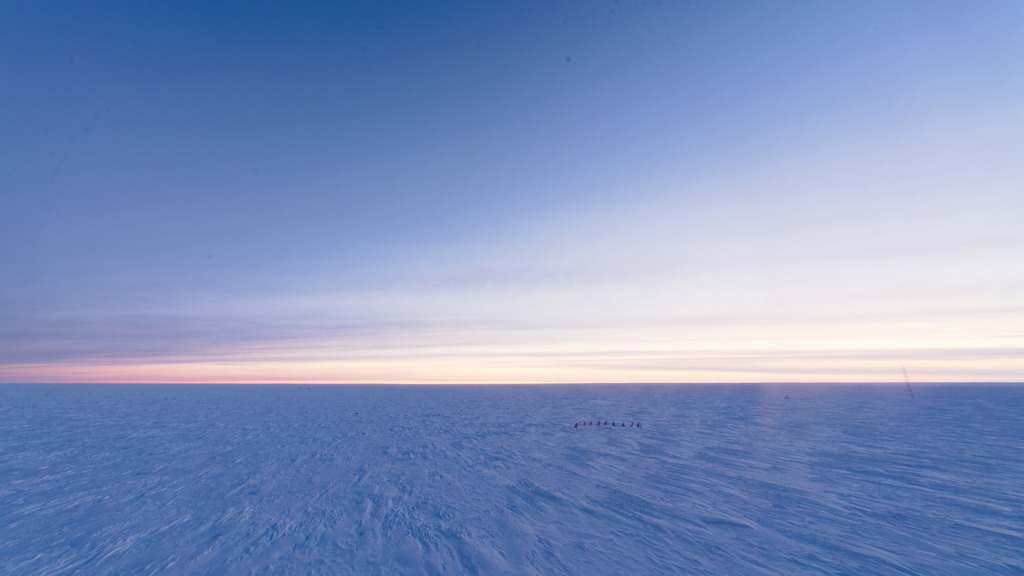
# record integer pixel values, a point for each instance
(513, 192)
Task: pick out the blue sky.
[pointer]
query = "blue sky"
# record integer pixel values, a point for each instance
(484, 192)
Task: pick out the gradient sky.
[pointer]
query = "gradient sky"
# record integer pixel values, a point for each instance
(511, 192)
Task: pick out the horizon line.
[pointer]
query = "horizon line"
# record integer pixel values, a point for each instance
(506, 384)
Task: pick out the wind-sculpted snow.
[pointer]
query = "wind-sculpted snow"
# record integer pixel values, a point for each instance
(496, 480)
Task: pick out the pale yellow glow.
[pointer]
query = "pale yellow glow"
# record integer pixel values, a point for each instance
(863, 352)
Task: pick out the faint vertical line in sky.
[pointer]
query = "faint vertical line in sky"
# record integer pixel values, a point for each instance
(906, 379)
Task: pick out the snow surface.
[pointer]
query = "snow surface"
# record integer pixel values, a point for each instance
(495, 480)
